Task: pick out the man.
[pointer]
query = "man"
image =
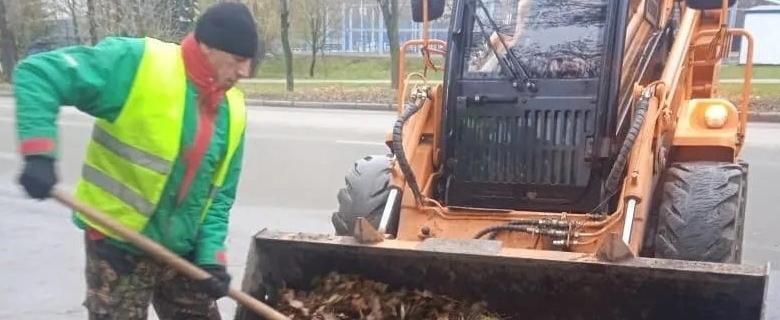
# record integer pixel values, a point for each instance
(164, 157)
(543, 54)
(488, 62)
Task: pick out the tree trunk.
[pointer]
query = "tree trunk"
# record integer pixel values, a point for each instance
(8, 53)
(117, 19)
(288, 58)
(315, 37)
(262, 44)
(93, 37)
(140, 28)
(74, 20)
(313, 60)
(390, 15)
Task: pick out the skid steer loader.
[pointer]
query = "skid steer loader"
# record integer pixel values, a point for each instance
(574, 163)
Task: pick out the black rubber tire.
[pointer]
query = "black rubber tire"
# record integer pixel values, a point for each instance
(701, 214)
(365, 194)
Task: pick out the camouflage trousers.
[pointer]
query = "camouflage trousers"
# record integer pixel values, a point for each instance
(121, 285)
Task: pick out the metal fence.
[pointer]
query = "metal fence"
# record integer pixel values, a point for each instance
(362, 29)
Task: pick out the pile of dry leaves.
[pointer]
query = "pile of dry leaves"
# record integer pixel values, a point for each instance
(339, 296)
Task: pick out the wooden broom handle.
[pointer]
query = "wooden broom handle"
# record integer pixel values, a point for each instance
(162, 254)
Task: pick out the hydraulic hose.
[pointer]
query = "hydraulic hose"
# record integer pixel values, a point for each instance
(618, 168)
(398, 149)
(552, 227)
(521, 228)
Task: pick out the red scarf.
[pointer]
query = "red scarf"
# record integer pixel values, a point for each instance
(200, 72)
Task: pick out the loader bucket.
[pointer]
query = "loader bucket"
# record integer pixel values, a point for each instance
(516, 283)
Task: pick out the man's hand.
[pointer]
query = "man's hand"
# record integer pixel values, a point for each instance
(496, 43)
(218, 284)
(38, 177)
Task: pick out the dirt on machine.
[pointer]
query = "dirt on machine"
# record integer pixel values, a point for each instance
(574, 162)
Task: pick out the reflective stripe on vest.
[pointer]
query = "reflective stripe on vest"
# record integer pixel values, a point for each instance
(129, 160)
(132, 154)
(120, 191)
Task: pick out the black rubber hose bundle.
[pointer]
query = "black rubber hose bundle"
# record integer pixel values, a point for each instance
(616, 174)
(398, 149)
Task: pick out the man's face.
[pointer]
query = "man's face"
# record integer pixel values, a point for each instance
(227, 66)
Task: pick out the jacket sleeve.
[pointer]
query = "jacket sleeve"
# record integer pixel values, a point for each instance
(95, 79)
(210, 248)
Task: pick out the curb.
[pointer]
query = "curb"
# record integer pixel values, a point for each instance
(321, 105)
(369, 106)
(250, 102)
(764, 116)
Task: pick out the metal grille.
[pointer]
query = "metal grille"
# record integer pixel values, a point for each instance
(541, 147)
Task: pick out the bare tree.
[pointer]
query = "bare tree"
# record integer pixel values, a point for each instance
(390, 15)
(93, 35)
(166, 20)
(73, 10)
(185, 13)
(8, 55)
(112, 18)
(152, 18)
(20, 23)
(268, 24)
(70, 9)
(28, 21)
(315, 14)
(115, 17)
(284, 13)
(262, 11)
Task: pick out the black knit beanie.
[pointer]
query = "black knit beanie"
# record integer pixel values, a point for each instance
(229, 27)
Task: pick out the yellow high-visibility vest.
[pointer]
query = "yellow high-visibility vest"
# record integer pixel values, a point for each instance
(129, 160)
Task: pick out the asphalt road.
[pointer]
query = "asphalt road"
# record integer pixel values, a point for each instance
(295, 163)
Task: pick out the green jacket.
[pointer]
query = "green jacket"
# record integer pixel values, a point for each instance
(97, 80)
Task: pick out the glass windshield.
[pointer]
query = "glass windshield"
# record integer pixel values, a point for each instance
(550, 38)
